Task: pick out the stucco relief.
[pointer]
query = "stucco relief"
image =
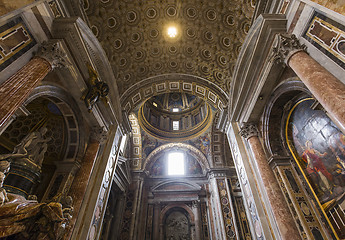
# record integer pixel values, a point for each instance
(177, 227)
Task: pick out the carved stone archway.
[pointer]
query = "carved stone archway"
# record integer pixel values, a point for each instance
(167, 83)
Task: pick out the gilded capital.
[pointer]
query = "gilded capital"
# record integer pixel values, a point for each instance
(286, 45)
(249, 130)
(54, 53)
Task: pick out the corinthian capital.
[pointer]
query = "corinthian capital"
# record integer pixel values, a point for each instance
(248, 131)
(99, 134)
(286, 45)
(54, 53)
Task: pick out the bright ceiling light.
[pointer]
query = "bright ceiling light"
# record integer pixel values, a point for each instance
(172, 32)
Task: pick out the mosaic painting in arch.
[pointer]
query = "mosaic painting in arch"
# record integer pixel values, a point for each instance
(203, 143)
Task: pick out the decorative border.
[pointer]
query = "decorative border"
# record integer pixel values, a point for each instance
(332, 50)
(152, 89)
(7, 31)
(298, 201)
(226, 209)
(136, 142)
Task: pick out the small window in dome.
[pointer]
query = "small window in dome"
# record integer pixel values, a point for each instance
(176, 163)
(155, 104)
(176, 125)
(175, 109)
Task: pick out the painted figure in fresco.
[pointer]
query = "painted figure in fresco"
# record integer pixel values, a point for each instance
(148, 145)
(205, 144)
(337, 145)
(157, 168)
(194, 167)
(315, 167)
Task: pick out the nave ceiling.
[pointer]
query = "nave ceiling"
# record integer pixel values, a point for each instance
(133, 35)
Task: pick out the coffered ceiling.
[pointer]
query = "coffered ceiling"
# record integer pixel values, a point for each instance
(134, 36)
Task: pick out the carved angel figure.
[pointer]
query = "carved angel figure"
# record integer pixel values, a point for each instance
(97, 90)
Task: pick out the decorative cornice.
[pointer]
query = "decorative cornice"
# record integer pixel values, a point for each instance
(277, 160)
(220, 172)
(99, 134)
(53, 53)
(285, 46)
(249, 130)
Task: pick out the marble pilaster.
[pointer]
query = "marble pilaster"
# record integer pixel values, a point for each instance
(326, 88)
(197, 219)
(285, 222)
(82, 177)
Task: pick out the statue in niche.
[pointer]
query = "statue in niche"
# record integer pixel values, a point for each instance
(96, 90)
(32, 147)
(27, 218)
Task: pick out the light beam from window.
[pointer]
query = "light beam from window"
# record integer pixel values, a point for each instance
(176, 163)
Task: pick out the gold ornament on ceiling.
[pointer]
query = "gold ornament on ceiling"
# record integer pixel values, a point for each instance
(206, 42)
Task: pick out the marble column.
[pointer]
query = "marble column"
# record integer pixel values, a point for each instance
(197, 219)
(279, 206)
(326, 88)
(18, 87)
(82, 177)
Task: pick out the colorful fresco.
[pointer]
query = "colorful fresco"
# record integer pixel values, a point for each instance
(148, 144)
(318, 147)
(158, 168)
(193, 167)
(203, 143)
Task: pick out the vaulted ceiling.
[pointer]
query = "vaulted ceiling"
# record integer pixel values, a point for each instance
(133, 35)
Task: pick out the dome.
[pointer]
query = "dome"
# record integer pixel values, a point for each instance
(175, 116)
